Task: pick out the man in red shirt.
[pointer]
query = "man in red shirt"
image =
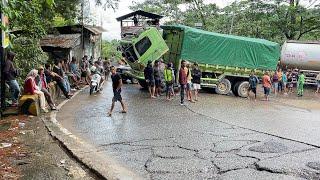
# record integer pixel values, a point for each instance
(183, 74)
(266, 82)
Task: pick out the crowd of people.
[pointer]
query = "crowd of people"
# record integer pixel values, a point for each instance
(281, 82)
(68, 75)
(162, 75)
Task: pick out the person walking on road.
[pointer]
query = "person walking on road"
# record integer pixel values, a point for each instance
(266, 82)
(149, 77)
(318, 83)
(196, 80)
(116, 86)
(253, 81)
(301, 80)
(168, 77)
(183, 74)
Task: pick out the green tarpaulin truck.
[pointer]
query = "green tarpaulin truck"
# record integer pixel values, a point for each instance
(225, 60)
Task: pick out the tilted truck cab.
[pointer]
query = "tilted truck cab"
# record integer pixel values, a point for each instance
(148, 46)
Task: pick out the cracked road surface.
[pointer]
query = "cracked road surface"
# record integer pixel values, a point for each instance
(163, 140)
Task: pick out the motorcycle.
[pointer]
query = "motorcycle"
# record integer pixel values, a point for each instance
(95, 82)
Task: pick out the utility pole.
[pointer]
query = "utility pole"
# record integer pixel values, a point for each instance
(3, 38)
(82, 27)
(232, 20)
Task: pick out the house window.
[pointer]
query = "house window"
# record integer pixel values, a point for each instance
(143, 45)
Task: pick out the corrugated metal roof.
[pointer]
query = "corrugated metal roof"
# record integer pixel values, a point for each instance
(141, 13)
(62, 40)
(95, 29)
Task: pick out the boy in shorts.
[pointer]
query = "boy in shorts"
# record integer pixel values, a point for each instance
(196, 80)
(116, 86)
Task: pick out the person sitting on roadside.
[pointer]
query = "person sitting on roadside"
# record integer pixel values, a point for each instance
(253, 81)
(57, 68)
(52, 76)
(168, 77)
(30, 87)
(10, 75)
(65, 65)
(267, 85)
(74, 69)
(43, 86)
(97, 69)
(318, 83)
(85, 71)
(149, 77)
(196, 80)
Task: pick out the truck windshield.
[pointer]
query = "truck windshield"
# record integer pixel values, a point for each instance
(143, 45)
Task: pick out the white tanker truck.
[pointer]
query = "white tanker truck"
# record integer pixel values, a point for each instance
(304, 56)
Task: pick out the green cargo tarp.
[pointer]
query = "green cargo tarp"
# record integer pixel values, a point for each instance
(228, 50)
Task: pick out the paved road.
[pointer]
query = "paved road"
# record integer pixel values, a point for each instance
(163, 140)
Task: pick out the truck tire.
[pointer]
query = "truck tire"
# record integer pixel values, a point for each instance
(235, 88)
(143, 84)
(243, 89)
(223, 87)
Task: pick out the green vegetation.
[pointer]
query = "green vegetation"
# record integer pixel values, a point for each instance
(31, 20)
(275, 20)
(109, 49)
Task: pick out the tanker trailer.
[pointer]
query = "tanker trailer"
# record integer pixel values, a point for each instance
(304, 56)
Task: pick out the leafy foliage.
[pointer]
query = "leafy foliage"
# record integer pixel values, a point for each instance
(109, 49)
(276, 20)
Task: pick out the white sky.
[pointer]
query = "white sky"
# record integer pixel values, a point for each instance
(110, 23)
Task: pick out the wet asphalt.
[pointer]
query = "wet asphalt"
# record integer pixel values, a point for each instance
(219, 137)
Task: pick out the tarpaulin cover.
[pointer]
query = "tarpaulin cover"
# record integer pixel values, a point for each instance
(228, 50)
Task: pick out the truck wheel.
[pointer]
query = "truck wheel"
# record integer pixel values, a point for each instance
(143, 84)
(223, 87)
(235, 88)
(243, 89)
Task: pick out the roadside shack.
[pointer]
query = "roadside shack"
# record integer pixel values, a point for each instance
(133, 23)
(75, 40)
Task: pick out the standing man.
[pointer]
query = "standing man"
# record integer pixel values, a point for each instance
(266, 82)
(157, 78)
(11, 73)
(301, 80)
(149, 77)
(196, 80)
(168, 77)
(318, 83)
(116, 86)
(183, 75)
(253, 81)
